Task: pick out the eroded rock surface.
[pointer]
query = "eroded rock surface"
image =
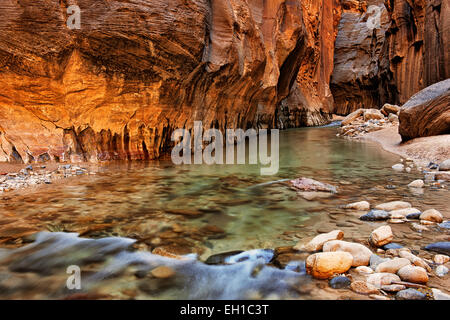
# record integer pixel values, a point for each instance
(137, 70)
(360, 77)
(427, 113)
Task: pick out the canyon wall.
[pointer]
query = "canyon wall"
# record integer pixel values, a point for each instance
(389, 61)
(419, 44)
(136, 70)
(361, 75)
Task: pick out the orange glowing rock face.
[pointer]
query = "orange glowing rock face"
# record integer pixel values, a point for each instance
(117, 87)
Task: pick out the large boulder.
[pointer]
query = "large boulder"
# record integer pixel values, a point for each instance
(427, 113)
(324, 265)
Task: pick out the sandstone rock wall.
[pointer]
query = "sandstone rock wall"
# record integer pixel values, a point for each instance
(419, 44)
(388, 63)
(361, 75)
(137, 70)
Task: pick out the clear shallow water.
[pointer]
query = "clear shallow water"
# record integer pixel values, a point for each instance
(207, 210)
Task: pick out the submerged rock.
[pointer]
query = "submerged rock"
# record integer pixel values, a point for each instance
(398, 167)
(417, 184)
(233, 257)
(439, 247)
(310, 185)
(392, 246)
(361, 205)
(340, 282)
(393, 205)
(444, 225)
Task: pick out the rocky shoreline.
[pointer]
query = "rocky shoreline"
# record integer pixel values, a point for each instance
(33, 175)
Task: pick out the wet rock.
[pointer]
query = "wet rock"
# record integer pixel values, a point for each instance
(364, 270)
(432, 215)
(363, 287)
(393, 288)
(439, 295)
(404, 212)
(185, 212)
(419, 228)
(417, 184)
(324, 265)
(307, 184)
(414, 216)
(410, 294)
(382, 279)
(162, 272)
(413, 274)
(392, 246)
(445, 165)
(381, 236)
(317, 243)
(441, 271)
(398, 167)
(414, 259)
(445, 225)
(362, 206)
(375, 260)
(339, 282)
(361, 254)
(439, 247)
(393, 205)
(375, 215)
(441, 259)
(392, 266)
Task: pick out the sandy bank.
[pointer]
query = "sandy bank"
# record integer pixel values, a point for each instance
(421, 150)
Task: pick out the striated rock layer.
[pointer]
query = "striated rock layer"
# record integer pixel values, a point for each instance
(388, 50)
(427, 113)
(137, 70)
(361, 75)
(419, 44)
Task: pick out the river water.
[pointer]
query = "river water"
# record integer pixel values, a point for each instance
(109, 224)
